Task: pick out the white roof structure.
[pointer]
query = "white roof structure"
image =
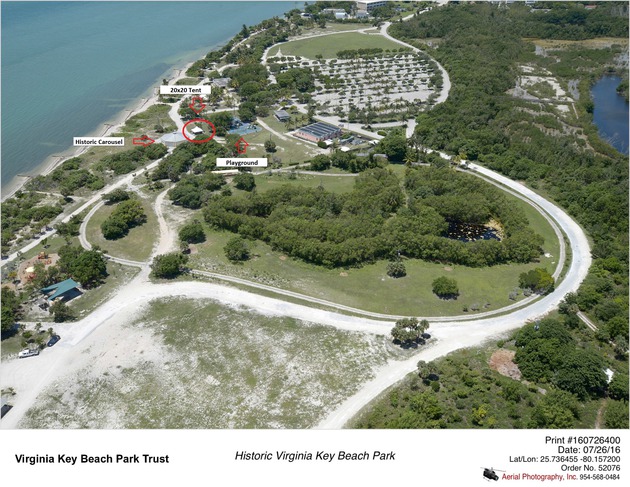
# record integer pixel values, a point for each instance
(197, 130)
(173, 138)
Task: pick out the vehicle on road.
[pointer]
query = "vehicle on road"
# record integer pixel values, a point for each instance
(27, 352)
(53, 339)
(6, 407)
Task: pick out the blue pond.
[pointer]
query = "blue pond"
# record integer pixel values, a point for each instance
(611, 113)
(469, 232)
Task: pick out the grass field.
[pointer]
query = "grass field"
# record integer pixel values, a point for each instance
(368, 287)
(291, 150)
(144, 122)
(335, 184)
(137, 245)
(329, 45)
(197, 364)
(119, 275)
(598, 43)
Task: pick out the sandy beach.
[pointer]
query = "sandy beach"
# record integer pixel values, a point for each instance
(105, 129)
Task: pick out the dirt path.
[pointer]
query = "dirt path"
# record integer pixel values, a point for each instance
(600, 415)
(168, 236)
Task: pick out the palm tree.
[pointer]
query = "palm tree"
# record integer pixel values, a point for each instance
(410, 158)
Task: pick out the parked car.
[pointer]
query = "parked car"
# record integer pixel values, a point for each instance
(53, 339)
(27, 352)
(6, 407)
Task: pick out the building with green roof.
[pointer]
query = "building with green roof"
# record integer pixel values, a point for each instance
(66, 290)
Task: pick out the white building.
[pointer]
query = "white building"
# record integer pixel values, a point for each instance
(173, 139)
(369, 5)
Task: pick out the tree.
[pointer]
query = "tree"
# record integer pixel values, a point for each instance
(169, 266)
(192, 232)
(557, 409)
(116, 196)
(616, 415)
(61, 312)
(89, 268)
(270, 146)
(621, 346)
(445, 288)
(221, 121)
(247, 111)
(236, 250)
(320, 162)
(10, 308)
(126, 215)
(618, 387)
(537, 280)
(394, 145)
(407, 330)
(396, 269)
(245, 181)
(427, 371)
(582, 373)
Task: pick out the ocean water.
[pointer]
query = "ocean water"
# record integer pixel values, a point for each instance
(68, 67)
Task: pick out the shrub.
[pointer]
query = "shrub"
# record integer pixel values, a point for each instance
(270, 146)
(236, 249)
(244, 181)
(116, 196)
(168, 266)
(192, 233)
(396, 269)
(537, 280)
(445, 288)
(127, 214)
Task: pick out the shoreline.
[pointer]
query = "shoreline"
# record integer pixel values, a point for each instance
(136, 106)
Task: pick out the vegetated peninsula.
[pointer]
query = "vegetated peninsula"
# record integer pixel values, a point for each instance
(382, 205)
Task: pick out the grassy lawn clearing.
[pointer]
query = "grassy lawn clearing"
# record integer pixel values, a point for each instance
(137, 245)
(289, 150)
(198, 364)
(328, 46)
(369, 287)
(119, 275)
(145, 122)
(335, 184)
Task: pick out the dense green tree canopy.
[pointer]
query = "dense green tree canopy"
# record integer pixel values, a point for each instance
(245, 181)
(10, 308)
(378, 219)
(126, 215)
(169, 266)
(192, 232)
(587, 177)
